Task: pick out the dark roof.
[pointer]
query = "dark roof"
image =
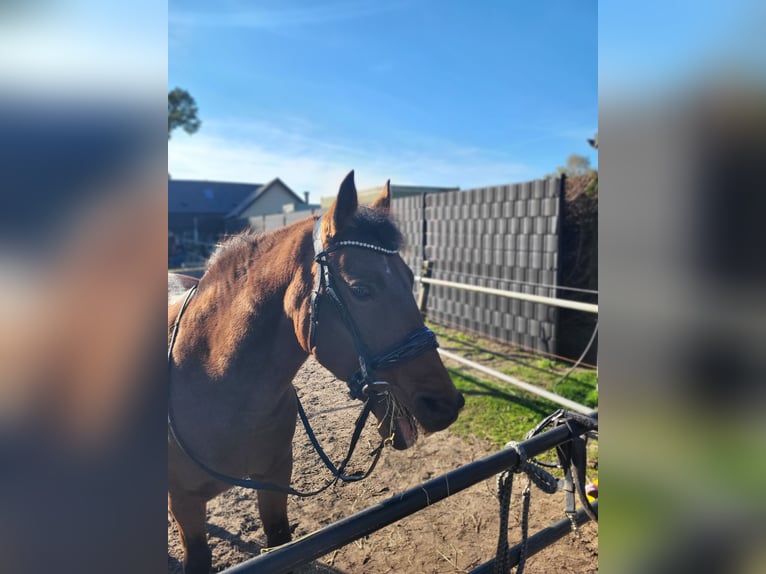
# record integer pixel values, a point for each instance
(194, 196)
(256, 193)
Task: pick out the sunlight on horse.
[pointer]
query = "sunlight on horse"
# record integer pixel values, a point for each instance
(248, 329)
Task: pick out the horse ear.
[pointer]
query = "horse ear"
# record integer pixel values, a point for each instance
(384, 199)
(343, 207)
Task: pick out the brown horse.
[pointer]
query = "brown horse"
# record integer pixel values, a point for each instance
(250, 326)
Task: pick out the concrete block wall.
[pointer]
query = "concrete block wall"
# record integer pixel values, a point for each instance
(408, 213)
(506, 237)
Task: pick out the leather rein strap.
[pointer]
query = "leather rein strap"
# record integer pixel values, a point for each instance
(337, 472)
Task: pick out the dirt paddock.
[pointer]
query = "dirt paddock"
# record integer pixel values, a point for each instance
(451, 536)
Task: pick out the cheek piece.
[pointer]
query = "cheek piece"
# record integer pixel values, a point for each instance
(361, 384)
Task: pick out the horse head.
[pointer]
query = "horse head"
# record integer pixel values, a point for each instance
(371, 313)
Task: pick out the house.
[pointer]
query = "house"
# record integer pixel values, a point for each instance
(201, 213)
(204, 211)
(196, 209)
(367, 196)
(271, 198)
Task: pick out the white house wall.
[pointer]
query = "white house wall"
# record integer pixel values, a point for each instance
(270, 202)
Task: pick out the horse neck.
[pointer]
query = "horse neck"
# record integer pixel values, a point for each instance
(250, 313)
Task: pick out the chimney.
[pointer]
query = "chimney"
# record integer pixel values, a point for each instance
(306, 195)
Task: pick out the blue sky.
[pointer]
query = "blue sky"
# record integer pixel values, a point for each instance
(422, 92)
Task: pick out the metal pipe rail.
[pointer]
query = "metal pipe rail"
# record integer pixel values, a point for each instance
(285, 558)
(553, 397)
(539, 541)
(563, 303)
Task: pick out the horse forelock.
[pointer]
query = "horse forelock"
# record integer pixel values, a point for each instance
(371, 226)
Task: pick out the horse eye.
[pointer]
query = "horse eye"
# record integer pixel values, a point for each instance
(361, 291)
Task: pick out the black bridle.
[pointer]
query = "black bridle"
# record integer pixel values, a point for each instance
(360, 384)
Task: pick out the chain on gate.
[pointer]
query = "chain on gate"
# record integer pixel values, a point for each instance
(572, 459)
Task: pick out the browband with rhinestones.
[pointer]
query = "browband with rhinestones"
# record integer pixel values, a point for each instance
(367, 246)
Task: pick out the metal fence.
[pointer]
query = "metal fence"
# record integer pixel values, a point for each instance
(264, 223)
(295, 554)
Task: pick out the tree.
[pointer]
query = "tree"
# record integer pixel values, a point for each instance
(576, 165)
(182, 112)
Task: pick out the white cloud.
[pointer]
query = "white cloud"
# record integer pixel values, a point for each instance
(258, 152)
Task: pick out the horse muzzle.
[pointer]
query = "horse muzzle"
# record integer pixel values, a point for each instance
(400, 424)
(435, 412)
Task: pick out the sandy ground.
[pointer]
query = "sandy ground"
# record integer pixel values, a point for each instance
(451, 536)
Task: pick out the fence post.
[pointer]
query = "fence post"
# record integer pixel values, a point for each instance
(423, 225)
(424, 287)
(556, 348)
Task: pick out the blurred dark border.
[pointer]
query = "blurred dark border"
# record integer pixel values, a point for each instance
(83, 203)
(683, 314)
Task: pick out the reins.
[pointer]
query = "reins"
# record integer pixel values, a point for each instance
(337, 472)
(360, 384)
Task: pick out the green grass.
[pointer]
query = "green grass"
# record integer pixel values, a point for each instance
(500, 412)
(579, 386)
(496, 412)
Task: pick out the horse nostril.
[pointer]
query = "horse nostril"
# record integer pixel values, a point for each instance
(430, 404)
(460, 401)
(439, 412)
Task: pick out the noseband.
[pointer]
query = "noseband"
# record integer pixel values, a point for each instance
(416, 343)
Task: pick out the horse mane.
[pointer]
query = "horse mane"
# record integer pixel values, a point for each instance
(226, 248)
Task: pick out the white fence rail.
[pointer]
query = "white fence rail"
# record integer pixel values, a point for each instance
(553, 397)
(562, 303)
